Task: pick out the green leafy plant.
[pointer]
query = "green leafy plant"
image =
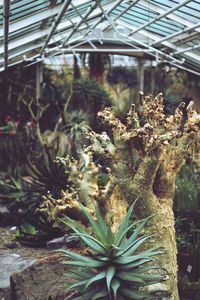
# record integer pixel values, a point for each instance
(186, 193)
(115, 267)
(89, 96)
(36, 231)
(15, 150)
(17, 193)
(76, 126)
(47, 175)
(23, 195)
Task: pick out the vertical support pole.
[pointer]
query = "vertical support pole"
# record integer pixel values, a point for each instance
(39, 79)
(153, 79)
(6, 15)
(140, 73)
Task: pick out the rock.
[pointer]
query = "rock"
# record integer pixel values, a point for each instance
(5, 294)
(13, 228)
(72, 241)
(9, 264)
(5, 215)
(42, 281)
(8, 217)
(64, 242)
(12, 245)
(56, 243)
(4, 209)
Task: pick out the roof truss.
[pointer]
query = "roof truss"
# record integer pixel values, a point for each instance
(151, 27)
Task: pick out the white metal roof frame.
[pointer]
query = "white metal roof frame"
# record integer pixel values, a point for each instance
(165, 30)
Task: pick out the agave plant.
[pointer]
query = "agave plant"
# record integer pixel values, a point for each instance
(91, 97)
(48, 176)
(17, 192)
(115, 268)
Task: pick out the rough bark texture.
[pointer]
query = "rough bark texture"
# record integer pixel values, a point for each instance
(145, 152)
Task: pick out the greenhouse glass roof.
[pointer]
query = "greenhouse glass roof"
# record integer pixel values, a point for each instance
(162, 30)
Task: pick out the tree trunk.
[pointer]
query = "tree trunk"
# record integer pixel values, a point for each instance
(117, 208)
(156, 200)
(162, 225)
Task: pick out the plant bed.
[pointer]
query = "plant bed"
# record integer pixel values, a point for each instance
(189, 290)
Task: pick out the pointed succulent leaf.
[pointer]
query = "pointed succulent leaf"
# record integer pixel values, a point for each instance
(103, 293)
(88, 295)
(145, 269)
(86, 274)
(115, 285)
(109, 235)
(151, 276)
(141, 255)
(92, 264)
(109, 276)
(135, 265)
(98, 277)
(130, 277)
(101, 222)
(132, 247)
(74, 276)
(77, 284)
(95, 227)
(74, 225)
(136, 295)
(92, 243)
(118, 241)
(76, 256)
(135, 234)
(125, 224)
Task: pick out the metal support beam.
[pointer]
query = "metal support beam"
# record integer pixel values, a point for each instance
(120, 15)
(107, 17)
(171, 16)
(165, 14)
(178, 33)
(33, 18)
(90, 29)
(85, 16)
(136, 41)
(36, 37)
(156, 38)
(108, 12)
(101, 50)
(39, 79)
(140, 74)
(187, 49)
(6, 15)
(37, 17)
(132, 3)
(55, 24)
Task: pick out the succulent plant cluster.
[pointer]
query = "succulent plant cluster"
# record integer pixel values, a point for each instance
(115, 267)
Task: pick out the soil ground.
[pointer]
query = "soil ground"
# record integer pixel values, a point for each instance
(8, 245)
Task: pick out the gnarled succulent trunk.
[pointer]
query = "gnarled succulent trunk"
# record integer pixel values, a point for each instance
(145, 153)
(154, 185)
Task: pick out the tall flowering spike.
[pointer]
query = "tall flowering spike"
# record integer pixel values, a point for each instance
(132, 118)
(191, 112)
(153, 110)
(109, 119)
(192, 123)
(178, 115)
